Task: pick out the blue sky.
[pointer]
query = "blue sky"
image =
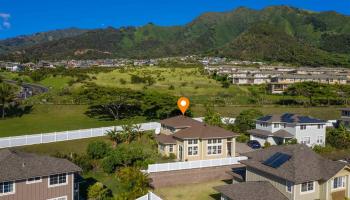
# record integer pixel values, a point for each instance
(19, 17)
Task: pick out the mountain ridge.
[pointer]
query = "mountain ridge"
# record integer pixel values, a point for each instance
(323, 35)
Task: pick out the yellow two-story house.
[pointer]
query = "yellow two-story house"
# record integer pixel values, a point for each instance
(290, 172)
(189, 139)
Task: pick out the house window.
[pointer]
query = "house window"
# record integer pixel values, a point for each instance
(307, 186)
(338, 182)
(59, 198)
(7, 188)
(162, 147)
(320, 126)
(289, 186)
(192, 147)
(320, 139)
(263, 124)
(305, 140)
(171, 148)
(33, 180)
(214, 146)
(58, 179)
(276, 125)
(302, 127)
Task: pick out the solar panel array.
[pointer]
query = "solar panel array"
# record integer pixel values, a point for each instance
(277, 160)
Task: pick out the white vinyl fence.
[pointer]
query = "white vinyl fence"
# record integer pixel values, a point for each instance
(194, 164)
(149, 196)
(66, 135)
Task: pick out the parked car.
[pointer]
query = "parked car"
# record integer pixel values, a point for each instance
(254, 144)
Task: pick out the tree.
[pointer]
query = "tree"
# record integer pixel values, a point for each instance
(212, 118)
(246, 120)
(7, 95)
(115, 137)
(338, 138)
(97, 149)
(306, 89)
(98, 191)
(133, 182)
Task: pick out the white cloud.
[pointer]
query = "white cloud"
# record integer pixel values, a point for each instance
(5, 21)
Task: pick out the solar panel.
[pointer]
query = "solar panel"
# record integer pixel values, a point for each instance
(277, 160)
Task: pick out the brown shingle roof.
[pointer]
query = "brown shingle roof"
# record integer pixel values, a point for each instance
(204, 131)
(165, 139)
(180, 121)
(304, 164)
(280, 133)
(19, 165)
(253, 190)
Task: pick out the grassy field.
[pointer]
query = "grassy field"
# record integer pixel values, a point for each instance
(201, 191)
(50, 118)
(185, 81)
(65, 147)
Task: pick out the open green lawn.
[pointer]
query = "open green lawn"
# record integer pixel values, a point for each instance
(50, 118)
(56, 83)
(64, 147)
(200, 191)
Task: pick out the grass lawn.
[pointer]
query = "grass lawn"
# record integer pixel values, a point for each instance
(50, 118)
(56, 83)
(200, 191)
(65, 147)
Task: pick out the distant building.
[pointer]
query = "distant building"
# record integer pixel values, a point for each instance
(26, 176)
(189, 139)
(278, 129)
(345, 117)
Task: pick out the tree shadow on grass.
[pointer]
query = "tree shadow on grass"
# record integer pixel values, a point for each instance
(16, 110)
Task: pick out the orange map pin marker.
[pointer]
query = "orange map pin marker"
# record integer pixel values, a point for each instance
(183, 103)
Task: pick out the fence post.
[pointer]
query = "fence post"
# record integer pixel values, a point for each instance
(26, 139)
(41, 138)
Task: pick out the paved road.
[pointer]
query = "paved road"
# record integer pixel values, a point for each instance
(29, 89)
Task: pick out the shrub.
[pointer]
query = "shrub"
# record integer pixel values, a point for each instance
(171, 87)
(172, 156)
(292, 141)
(267, 144)
(97, 149)
(133, 182)
(98, 191)
(122, 81)
(109, 164)
(243, 138)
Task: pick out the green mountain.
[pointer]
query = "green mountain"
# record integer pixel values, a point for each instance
(281, 33)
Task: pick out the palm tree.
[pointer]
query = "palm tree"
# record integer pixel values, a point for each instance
(115, 136)
(7, 95)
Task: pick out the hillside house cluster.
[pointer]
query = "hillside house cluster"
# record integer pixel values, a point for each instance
(279, 77)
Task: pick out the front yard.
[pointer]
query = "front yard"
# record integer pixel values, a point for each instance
(202, 191)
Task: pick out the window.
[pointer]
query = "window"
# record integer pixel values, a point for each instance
(7, 188)
(289, 186)
(305, 140)
(307, 186)
(192, 147)
(214, 146)
(33, 180)
(59, 198)
(263, 124)
(320, 126)
(338, 182)
(162, 147)
(302, 127)
(171, 148)
(58, 179)
(320, 139)
(276, 125)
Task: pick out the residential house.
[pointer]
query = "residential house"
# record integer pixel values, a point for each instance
(189, 139)
(290, 172)
(26, 176)
(277, 129)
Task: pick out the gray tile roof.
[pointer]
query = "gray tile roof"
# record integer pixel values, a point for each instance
(290, 118)
(280, 133)
(16, 165)
(204, 131)
(179, 121)
(304, 164)
(254, 190)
